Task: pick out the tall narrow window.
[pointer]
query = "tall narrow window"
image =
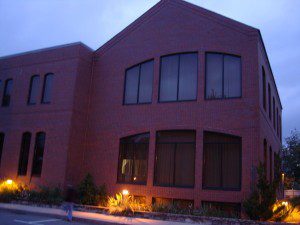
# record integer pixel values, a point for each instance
(24, 154)
(47, 88)
(1, 144)
(271, 164)
(133, 159)
(222, 161)
(269, 102)
(7, 92)
(277, 121)
(38, 154)
(138, 83)
(280, 128)
(274, 120)
(264, 95)
(33, 89)
(175, 158)
(223, 76)
(265, 156)
(178, 77)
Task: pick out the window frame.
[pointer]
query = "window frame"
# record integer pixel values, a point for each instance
(240, 166)
(4, 91)
(35, 154)
(119, 159)
(30, 90)
(44, 88)
(20, 169)
(178, 75)
(205, 74)
(139, 79)
(155, 158)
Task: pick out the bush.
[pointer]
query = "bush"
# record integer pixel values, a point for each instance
(89, 193)
(10, 191)
(45, 195)
(212, 212)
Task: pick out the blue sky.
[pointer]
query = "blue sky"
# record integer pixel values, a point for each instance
(32, 24)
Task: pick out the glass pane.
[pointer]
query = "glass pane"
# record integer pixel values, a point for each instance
(34, 89)
(38, 154)
(24, 153)
(169, 78)
(232, 76)
(8, 88)
(125, 174)
(214, 71)
(188, 77)
(140, 163)
(1, 145)
(48, 83)
(184, 165)
(7, 93)
(146, 81)
(132, 82)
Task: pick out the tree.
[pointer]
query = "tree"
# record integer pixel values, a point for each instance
(291, 160)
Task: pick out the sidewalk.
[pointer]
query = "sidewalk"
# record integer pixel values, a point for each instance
(92, 217)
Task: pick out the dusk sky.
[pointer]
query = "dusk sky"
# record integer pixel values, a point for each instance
(32, 24)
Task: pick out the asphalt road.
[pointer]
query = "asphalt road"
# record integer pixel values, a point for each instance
(19, 218)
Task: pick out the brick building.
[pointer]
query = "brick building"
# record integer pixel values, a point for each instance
(178, 107)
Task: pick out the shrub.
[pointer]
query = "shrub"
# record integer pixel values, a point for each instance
(10, 191)
(89, 193)
(45, 195)
(212, 212)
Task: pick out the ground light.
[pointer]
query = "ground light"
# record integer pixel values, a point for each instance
(9, 182)
(125, 192)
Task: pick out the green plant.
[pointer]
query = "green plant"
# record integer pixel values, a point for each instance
(45, 195)
(9, 190)
(89, 193)
(259, 205)
(213, 212)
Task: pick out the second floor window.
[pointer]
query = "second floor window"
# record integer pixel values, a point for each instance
(38, 156)
(7, 92)
(223, 76)
(138, 84)
(264, 88)
(24, 154)
(33, 89)
(47, 89)
(178, 77)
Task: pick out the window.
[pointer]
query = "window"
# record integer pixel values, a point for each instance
(271, 164)
(47, 89)
(269, 101)
(223, 76)
(38, 154)
(1, 144)
(264, 88)
(231, 209)
(277, 121)
(274, 120)
(265, 155)
(24, 154)
(175, 158)
(184, 204)
(138, 84)
(133, 159)
(280, 129)
(7, 92)
(178, 77)
(33, 89)
(222, 161)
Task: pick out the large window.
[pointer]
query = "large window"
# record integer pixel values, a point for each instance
(47, 88)
(175, 158)
(274, 120)
(7, 92)
(223, 76)
(264, 89)
(133, 159)
(269, 102)
(178, 77)
(222, 161)
(1, 144)
(138, 83)
(38, 154)
(33, 89)
(277, 122)
(24, 153)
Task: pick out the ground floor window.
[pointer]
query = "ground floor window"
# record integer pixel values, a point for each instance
(175, 158)
(231, 209)
(1, 144)
(37, 164)
(133, 159)
(24, 154)
(185, 204)
(221, 161)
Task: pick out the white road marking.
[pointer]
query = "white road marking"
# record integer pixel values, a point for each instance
(38, 221)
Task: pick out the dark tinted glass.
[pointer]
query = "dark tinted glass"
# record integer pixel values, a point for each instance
(232, 76)
(33, 89)
(38, 154)
(47, 90)
(146, 80)
(269, 101)
(1, 145)
(175, 158)
(264, 88)
(133, 159)
(7, 92)
(131, 88)
(214, 73)
(24, 153)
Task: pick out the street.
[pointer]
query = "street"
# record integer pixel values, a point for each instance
(19, 218)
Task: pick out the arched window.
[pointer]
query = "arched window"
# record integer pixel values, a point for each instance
(33, 89)
(133, 159)
(175, 158)
(47, 88)
(269, 102)
(37, 163)
(264, 88)
(7, 92)
(24, 154)
(1, 144)
(222, 161)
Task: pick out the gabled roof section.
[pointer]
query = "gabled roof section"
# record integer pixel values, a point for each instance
(197, 10)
